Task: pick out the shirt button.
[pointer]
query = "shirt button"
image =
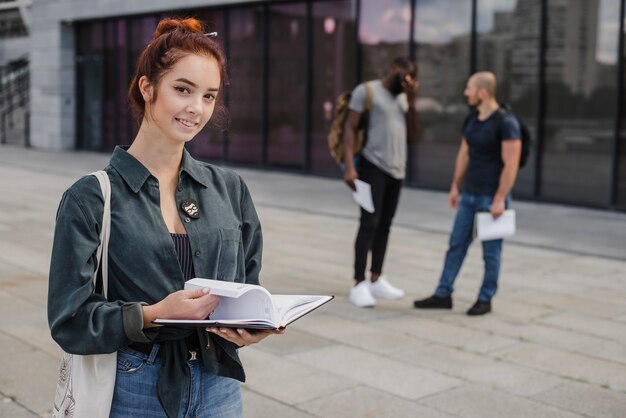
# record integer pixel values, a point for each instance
(198, 253)
(179, 188)
(187, 220)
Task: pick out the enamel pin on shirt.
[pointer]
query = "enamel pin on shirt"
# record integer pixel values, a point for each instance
(190, 207)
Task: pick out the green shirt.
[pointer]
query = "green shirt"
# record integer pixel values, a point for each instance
(226, 244)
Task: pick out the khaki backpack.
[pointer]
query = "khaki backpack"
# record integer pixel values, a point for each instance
(335, 134)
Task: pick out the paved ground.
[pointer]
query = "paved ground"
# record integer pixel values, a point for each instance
(555, 345)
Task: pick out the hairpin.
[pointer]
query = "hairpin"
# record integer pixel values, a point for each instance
(210, 34)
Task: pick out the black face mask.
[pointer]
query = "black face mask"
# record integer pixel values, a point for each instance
(396, 86)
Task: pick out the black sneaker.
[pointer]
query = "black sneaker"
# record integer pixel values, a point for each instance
(434, 302)
(479, 308)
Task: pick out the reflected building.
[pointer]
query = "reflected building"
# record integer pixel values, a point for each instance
(288, 61)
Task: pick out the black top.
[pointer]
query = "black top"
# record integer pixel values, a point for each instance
(183, 250)
(485, 151)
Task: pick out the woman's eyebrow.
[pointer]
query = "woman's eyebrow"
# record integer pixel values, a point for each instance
(194, 85)
(184, 80)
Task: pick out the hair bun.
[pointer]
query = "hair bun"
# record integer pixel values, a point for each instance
(168, 25)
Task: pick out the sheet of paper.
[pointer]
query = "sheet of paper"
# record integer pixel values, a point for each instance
(488, 228)
(363, 195)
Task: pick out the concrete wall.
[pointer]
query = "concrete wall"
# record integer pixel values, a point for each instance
(13, 48)
(52, 59)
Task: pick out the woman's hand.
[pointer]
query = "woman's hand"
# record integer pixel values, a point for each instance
(182, 304)
(242, 337)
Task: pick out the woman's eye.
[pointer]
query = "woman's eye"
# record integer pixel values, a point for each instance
(182, 89)
(210, 97)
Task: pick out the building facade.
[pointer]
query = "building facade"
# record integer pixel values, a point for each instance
(560, 65)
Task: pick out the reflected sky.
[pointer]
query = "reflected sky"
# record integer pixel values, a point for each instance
(384, 20)
(486, 10)
(608, 32)
(439, 21)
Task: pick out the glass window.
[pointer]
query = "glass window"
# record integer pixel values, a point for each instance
(581, 62)
(208, 144)
(508, 45)
(245, 53)
(384, 32)
(442, 37)
(287, 84)
(111, 113)
(621, 178)
(124, 118)
(334, 57)
(90, 85)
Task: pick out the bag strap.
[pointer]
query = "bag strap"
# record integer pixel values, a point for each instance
(369, 98)
(103, 249)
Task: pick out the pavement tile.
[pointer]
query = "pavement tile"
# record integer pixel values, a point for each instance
(571, 365)
(485, 371)
(586, 324)
(360, 335)
(470, 401)
(295, 340)
(365, 402)
(427, 325)
(578, 303)
(534, 332)
(29, 375)
(11, 409)
(29, 259)
(288, 381)
(606, 350)
(258, 406)
(390, 376)
(586, 399)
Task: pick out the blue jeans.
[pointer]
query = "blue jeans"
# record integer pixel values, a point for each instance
(136, 395)
(460, 240)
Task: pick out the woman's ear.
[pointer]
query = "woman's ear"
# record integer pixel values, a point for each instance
(146, 89)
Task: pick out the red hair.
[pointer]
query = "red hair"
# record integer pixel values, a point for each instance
(173, 39)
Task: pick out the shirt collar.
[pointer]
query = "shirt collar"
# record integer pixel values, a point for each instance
(135, 174)
(131, 170)
(195, 169)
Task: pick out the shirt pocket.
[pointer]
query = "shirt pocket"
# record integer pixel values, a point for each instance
(229, 255)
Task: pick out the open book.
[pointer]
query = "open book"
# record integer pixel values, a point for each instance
(249, 306)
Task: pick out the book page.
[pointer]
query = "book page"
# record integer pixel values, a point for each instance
(255, 304)
(220, 287)
(291, 307)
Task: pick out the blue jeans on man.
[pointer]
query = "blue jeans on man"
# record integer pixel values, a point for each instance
(461, 237)
(460, 240)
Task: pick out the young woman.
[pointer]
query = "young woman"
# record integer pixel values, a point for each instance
(172, 218)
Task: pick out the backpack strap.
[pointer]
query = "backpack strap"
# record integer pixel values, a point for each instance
(499, 118)
(369, 98)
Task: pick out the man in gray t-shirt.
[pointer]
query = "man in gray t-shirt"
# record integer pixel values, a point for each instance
(381, 164)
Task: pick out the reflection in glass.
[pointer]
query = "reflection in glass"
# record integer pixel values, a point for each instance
(208, 143)
(287, 85)
(580, 80)
(334, 51)
(508, 45)
(90, 80)
(384, 32)
(621, 178)
(244, 94)
(442, 36)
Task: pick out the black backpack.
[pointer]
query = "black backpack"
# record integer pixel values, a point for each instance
(523, 129)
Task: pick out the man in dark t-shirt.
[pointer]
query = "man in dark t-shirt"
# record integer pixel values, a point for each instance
(486, 165)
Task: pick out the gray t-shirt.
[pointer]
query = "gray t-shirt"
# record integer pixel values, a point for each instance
(386, 136)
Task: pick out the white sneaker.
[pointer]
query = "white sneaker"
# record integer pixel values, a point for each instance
(360, 296)
(381, 288)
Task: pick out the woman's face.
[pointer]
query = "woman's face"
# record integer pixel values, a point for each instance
(185, 99)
